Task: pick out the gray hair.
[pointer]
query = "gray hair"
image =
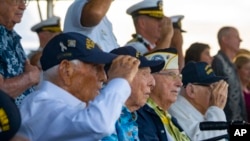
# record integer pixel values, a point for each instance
(51, 73)
(224, 31)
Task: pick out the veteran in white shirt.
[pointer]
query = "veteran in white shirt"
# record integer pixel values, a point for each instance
(202, 98)
(70, 105)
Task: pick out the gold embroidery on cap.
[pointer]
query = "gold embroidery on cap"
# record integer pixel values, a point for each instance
(89, 44)
(208, 69)
(4, 121)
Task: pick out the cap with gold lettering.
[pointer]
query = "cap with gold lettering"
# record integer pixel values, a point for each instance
(70, 46)
(200, 73)
(10, 118)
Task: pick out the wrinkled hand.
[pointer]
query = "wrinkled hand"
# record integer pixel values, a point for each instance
(32, 72)
(124, 66)
(219, 94)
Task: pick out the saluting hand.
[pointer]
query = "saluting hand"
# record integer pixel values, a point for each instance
(219, 94)
(124, 66)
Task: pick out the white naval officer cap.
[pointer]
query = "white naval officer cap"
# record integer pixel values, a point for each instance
(176, 20)
(152, 8)
(51, 24)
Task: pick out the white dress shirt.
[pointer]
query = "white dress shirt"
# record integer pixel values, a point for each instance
(189, 119)
(53, 114)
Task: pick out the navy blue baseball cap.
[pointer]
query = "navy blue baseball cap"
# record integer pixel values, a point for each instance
(10, 118)
(155, 65)
(72, 46)
(199, 72)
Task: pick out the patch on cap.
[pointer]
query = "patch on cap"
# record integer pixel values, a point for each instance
(169, 55)
(152, 8)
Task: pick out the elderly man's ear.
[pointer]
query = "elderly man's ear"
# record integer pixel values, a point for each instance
(66, 70)
(190, 90)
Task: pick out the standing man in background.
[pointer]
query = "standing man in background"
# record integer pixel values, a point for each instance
(17, 75)
(45, 30)
(88, 17)
(153, 29)
(229, 42)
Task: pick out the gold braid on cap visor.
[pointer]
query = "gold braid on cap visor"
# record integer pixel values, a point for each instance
(52, 29)
(152, 13)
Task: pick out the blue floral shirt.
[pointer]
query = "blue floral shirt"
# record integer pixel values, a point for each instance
(12, 57)
(126, 127)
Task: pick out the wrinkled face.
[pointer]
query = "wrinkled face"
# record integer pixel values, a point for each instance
(152, 28)
(202, 96)
(87, 80)
(206, 57)
(141, 88)
(168, 83)
(11, 12)
(244, 73)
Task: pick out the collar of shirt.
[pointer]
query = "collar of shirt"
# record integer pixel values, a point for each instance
(144, 41)
(126, 116)
(61, 95)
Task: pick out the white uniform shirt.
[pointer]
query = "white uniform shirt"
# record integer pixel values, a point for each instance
(140, 46)
(101, 34)
(53, 114)
(189, 119)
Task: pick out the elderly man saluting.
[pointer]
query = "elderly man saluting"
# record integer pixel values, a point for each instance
(69, 104)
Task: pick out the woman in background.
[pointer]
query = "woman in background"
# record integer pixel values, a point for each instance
(242, 63)
(198, 52)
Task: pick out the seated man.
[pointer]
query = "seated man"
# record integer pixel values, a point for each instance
(10, 119)
(126, 127)
(154, 122)
(203, 97)
(69, 105)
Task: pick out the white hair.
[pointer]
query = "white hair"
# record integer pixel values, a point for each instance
(51, 73)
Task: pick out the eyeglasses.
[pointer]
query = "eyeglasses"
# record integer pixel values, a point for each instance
(18, 2)
(171, 74)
